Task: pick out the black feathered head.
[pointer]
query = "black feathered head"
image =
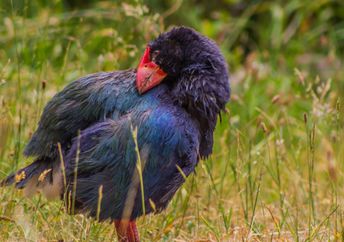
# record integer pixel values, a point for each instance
(184, 56)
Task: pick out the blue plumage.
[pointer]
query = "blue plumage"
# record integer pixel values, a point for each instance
(175, 121)
(166, 138)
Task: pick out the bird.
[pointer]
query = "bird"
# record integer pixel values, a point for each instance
(118, 145)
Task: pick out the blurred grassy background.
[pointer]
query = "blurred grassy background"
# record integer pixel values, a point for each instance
(277, 168)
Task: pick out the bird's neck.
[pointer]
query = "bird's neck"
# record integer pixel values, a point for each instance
(203, 111)
(207, 123)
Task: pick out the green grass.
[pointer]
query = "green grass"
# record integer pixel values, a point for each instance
(277, 168)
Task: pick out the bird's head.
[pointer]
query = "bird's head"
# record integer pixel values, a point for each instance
(189, 62)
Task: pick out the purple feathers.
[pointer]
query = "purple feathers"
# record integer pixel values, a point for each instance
(175, 122)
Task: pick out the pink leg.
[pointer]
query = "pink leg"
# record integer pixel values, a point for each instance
(127, 231)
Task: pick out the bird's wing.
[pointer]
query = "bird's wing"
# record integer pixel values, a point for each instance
(80, 104)
(103, 159)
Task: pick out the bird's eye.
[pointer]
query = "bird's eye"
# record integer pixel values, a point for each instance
(154, 55)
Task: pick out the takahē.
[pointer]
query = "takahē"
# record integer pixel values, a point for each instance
(117, 145)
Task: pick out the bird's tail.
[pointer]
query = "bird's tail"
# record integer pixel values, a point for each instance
(7, 181)
(41, 175)
(22, 176)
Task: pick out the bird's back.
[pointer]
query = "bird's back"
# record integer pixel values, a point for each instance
(80, 104)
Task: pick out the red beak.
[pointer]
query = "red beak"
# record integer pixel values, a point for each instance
(148, 74)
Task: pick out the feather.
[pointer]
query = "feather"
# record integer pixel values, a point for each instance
(86, 147)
